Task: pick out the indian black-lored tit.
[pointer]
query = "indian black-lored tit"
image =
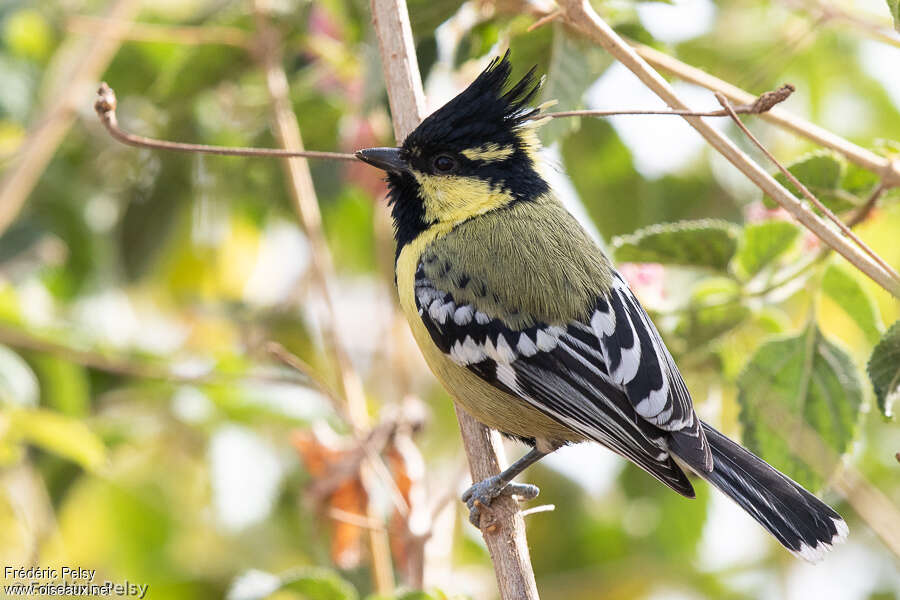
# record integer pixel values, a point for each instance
(531, 329)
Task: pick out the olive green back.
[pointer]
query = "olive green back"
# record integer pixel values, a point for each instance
(529, 262)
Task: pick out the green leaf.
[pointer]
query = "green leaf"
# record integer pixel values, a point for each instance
(845, 290)
(714, 309)
(859, 181)
(807, 378)
(762, 243)
(574, 66)
(704, 243)
(66, 436)
(821, 172)
(476, 42)
(425, 15)
(28, 34)
(64, 385)
(310, 582)
(884, 370)
(894, 7)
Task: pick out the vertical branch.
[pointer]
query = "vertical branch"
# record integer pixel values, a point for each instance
(40, 145)
(502, 527)
(303, 194)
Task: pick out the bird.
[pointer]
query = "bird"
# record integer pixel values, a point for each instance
(528, 325)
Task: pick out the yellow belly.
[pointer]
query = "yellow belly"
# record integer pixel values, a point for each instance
(489, 405)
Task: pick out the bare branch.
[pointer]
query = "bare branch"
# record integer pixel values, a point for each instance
(866, 209)
(581, 15)
(126, 367)
(502, 527)
(888, 170)
(303, 194)
(354, 519)
(105, 106)
(155, 32)
(805, 191)
(764, 103)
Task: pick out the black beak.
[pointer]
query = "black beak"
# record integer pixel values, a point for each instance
(388, 159)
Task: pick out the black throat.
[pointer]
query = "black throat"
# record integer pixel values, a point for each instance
(407, 210)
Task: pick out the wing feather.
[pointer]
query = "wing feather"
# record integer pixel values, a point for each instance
(586, 375)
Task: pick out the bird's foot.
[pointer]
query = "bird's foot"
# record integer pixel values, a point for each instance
(482, 494)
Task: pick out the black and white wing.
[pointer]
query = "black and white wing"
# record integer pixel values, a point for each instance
(610, 378)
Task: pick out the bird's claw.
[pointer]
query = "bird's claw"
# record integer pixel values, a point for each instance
(482, 494)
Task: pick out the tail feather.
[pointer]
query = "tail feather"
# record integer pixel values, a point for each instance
(801, 522)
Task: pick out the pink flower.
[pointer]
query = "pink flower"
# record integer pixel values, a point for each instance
(757, 211)
(647, 280)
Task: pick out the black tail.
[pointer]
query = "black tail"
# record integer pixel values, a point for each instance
(801, 522)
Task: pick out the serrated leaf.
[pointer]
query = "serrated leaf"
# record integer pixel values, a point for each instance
(821, 172)
(309, 582)
(884, 370)
(847, 293)
(762, 243)
(574, 66)
(65, 436)
(894, 7)
(809, 379)
(704, 243)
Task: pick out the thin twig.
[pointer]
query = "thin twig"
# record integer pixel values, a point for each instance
(764, 103)
(581, 15)
(295, 362)
(873, 27)
(884, 167)
(502, 527)
(805, 191)
(373, 454)
(354, 519)
(105, 106)
(155, 32)
(539, 509)
(125, 367)
(303, 194)
(548, 18)
(866, 209)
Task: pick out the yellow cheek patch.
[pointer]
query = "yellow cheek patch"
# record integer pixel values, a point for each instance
(450, 199)
(489, 152)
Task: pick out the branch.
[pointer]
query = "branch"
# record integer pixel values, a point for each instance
(156, 32)
(123, 366)
(105, 107)
(764, 103)
(888, 170)
(871, 26)
(582, 17)
(32, 158)
(502, 527)
(805, 191)
(303, 194)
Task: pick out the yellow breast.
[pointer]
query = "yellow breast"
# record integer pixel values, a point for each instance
(490, 405)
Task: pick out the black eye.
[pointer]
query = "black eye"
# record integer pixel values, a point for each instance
(444, 163)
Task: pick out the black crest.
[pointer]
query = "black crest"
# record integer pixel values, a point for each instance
(483, 112)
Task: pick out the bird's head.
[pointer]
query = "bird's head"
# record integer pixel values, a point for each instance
(475, 154)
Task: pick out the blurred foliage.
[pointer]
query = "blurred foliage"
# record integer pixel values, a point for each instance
(145, 430)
